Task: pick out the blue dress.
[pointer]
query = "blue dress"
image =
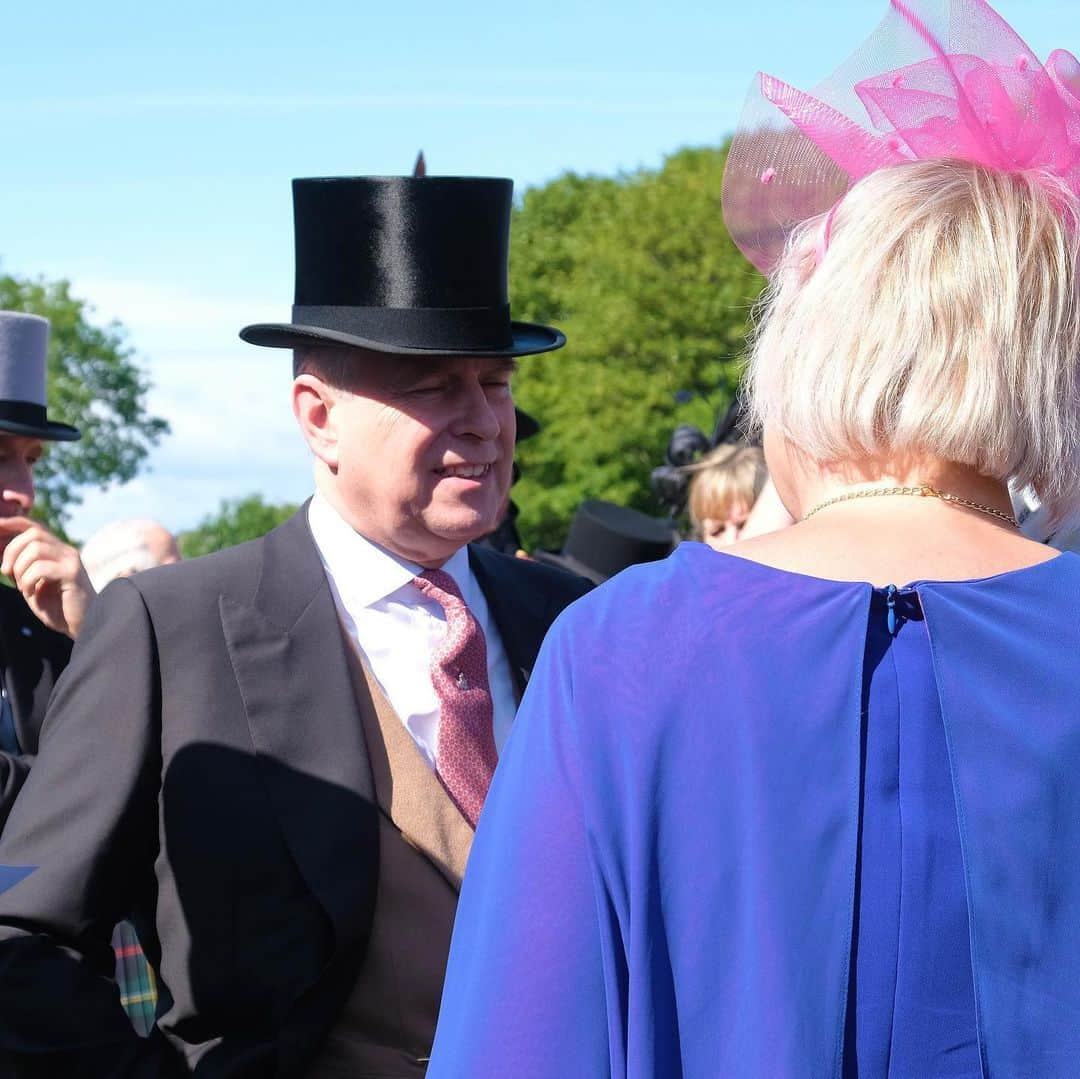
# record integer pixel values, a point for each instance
(911, 1003)
(755, 824)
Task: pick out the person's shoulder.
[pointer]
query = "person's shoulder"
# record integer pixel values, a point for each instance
(697, 602)
(550, 581)
(1068, 564)
(229, 571)
(693, 573)
(233, 571)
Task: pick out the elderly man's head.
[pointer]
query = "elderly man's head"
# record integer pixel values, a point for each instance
(415, 453)
(126, 547)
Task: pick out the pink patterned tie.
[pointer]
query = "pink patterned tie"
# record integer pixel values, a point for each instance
(467, 755)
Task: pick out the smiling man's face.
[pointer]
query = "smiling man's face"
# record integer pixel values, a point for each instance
(425, 449)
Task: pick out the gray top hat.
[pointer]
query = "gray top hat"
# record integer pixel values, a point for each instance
(24, 344)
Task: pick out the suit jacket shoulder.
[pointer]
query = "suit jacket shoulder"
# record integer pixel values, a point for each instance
(234, 571)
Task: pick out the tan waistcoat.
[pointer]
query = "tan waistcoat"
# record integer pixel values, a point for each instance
(388, 1024)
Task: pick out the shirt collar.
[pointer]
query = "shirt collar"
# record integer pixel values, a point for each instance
(362, 571)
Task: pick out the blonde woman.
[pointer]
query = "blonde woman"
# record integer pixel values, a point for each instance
(810, 808)
(724, 486)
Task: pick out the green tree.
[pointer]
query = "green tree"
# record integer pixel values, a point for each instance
(236, 521)
(654, 298)
(94, 383)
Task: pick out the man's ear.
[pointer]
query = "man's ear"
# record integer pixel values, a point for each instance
(313, 403)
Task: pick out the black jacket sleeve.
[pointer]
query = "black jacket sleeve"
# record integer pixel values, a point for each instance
(86, 821)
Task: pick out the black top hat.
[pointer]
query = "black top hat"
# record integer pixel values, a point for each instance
(605, 538)
(406, 265)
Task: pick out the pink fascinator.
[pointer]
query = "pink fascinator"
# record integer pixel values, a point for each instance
(936, 79)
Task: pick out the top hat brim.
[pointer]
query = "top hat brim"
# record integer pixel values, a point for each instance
(529, 338)
(49, 431)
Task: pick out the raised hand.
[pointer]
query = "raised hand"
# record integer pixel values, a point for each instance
(48, 572)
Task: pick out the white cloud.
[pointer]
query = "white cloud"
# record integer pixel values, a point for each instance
(227, 403)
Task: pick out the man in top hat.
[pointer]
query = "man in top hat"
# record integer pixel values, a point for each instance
(45, 611)
(304, 727)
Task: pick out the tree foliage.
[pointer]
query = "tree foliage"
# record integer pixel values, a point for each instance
(236, 521)
(93, 383)
(654, 298)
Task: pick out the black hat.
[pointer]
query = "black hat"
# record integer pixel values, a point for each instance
(405, 265)
(605, 538)
(24, 347)
(527, 425)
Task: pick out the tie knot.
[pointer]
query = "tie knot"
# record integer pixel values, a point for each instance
(441, 587)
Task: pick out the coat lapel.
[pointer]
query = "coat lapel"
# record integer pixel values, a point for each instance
(520, 611)
(288, 657)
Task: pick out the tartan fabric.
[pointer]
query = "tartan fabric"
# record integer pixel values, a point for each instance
(134, 976)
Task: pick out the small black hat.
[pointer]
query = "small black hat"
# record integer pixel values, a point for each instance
(605, 538)
(405, 265)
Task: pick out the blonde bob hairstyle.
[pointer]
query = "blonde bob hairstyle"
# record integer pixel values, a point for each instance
(726, 479)
(937, 314)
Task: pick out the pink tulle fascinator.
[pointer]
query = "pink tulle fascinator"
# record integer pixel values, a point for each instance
(936, 79)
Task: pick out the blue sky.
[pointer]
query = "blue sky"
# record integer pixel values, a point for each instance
(148, 151)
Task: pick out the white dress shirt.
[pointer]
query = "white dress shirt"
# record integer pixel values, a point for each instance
(396, 627)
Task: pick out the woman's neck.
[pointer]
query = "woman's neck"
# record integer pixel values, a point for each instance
(894, 540)
(813, 485)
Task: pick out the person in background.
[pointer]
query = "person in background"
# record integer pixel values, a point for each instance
(605, 538)
(122, 548)
(41, 615)
(724, 486)
(809, 807)
(299, 732)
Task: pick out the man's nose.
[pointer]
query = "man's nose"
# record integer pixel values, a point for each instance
(479, 417)
(19, 492)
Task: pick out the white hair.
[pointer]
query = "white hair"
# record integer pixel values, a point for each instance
(935, 312)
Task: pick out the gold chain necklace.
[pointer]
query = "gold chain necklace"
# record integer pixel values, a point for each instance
(923, 490)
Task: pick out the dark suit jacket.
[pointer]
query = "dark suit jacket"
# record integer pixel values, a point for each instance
(203, 760)
(31, 659)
